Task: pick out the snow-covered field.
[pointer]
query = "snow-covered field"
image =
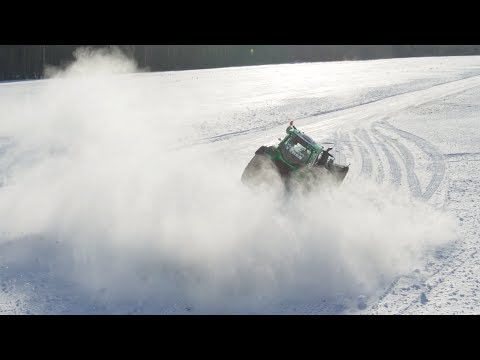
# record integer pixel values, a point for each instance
(120, 191)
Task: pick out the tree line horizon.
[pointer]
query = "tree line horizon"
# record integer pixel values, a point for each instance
(26, 62)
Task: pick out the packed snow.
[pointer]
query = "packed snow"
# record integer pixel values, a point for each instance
(120, 190)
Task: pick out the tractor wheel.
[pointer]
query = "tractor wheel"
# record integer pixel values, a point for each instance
(261, 170)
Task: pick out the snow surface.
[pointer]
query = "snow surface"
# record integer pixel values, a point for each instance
(120, 190)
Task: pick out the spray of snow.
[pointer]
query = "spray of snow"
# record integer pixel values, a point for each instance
(94, 164)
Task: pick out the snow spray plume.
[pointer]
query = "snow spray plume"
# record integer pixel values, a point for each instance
(91, 166)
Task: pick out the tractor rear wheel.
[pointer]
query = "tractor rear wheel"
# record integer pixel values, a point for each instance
(261, 171)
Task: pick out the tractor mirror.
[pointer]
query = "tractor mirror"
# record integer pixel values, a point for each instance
(329, 149)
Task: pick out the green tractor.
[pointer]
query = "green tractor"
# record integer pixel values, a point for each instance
(297, 158)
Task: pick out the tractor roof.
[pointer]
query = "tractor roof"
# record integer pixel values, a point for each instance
(308, 140)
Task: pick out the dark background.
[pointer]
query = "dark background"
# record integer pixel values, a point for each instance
(19, 62)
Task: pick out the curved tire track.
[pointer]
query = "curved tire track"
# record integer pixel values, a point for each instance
(396, 175)
(363, 134)
(437, 178)
(366, 159)
(347, 141)
(432, 151)
(413, 182)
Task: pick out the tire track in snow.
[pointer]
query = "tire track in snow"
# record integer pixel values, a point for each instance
(363, 134)
(396, 175)
(437, 178)
(436, 156)
(366, 169)
(413, 182)
(346, 139)
(356, 105)
(464, 84)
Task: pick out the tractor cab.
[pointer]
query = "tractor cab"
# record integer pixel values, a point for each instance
(298, 149)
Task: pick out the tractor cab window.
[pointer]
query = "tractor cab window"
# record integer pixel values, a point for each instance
(296, 151)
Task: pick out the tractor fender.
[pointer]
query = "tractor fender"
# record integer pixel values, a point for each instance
(263, 150)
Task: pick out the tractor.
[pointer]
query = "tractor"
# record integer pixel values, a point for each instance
(296, 159)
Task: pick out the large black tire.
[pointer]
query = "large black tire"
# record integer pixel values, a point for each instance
(261, 170)
(254, 167)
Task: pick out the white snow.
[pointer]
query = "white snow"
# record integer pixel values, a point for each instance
(120, 190)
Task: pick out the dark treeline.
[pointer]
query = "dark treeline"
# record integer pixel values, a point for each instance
(29, 61)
